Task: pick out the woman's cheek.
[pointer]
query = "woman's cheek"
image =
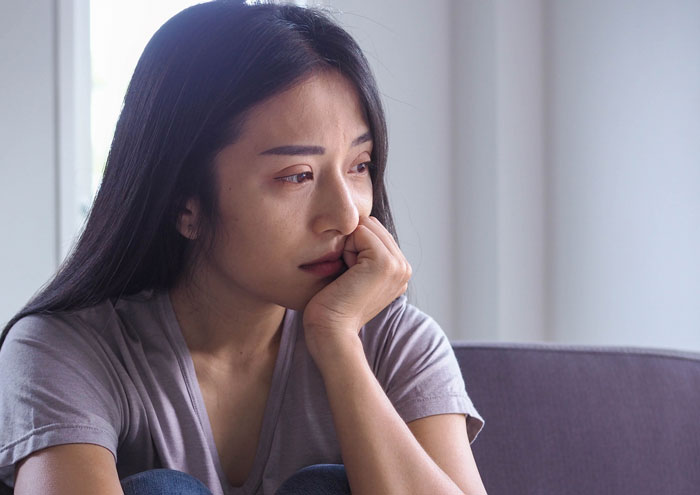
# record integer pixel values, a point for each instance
(364, 206)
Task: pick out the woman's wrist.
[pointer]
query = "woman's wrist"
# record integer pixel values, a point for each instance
(330, 347)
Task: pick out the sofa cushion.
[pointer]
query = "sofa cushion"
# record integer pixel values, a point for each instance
(582, 420)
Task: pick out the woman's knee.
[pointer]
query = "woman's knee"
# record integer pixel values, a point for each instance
(163, 482)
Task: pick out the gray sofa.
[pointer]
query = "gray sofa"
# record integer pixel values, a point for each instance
(583, 420)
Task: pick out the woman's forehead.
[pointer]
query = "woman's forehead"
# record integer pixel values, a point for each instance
(325, 106)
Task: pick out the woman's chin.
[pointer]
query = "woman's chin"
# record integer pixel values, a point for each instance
(301, 297)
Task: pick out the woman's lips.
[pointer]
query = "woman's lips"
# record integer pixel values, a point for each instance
(325, 268)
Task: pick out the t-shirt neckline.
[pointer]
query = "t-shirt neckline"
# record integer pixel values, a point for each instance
(273, 405)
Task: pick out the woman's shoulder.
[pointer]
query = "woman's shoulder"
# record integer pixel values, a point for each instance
(60, 384)
(39, 346)
(400, 319)
(401, 333)
(84, 350)
(414, 362)
(52, 326)
(99, 323)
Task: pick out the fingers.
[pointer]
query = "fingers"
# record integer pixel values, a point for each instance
(373, 235)
(390, 242)
(384, 235)
(363, 244)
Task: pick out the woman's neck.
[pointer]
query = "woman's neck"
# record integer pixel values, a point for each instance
(224, 327)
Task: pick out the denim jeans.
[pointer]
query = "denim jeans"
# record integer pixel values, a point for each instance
(318, 479)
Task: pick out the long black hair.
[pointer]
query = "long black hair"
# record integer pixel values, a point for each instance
(196, 79)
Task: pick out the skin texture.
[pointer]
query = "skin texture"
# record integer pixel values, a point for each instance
(279, 212)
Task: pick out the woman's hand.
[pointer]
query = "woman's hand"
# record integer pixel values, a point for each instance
(377, 274)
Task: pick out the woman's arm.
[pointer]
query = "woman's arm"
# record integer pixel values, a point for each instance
(382, 454)
(444, 437)
(72, 469)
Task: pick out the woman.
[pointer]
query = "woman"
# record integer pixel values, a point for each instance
(233, 310)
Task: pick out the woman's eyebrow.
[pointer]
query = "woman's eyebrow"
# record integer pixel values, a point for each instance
(296, 150)
(367, 136)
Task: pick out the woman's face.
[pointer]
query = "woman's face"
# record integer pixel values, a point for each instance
(290, 191)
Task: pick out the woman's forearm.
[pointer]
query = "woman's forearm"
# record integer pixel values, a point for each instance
(380, 453)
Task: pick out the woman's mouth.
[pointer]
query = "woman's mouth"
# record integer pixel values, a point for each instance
(325, 268)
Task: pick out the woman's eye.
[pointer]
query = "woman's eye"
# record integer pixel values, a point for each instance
(363, 167)
(297, 178)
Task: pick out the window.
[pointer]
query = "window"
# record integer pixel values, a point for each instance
(119, 31)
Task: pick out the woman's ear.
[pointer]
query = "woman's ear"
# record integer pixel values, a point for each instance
(188, 220)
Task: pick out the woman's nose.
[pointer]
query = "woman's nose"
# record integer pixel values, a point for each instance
(337, 206)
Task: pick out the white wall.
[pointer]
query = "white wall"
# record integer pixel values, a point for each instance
(28, 188)
(624, 134)
(498, 185)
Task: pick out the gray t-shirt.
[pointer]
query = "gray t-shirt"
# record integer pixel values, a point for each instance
(120, 375)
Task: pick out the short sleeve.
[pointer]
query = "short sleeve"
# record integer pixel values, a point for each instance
(56, 387)
(416, 365)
